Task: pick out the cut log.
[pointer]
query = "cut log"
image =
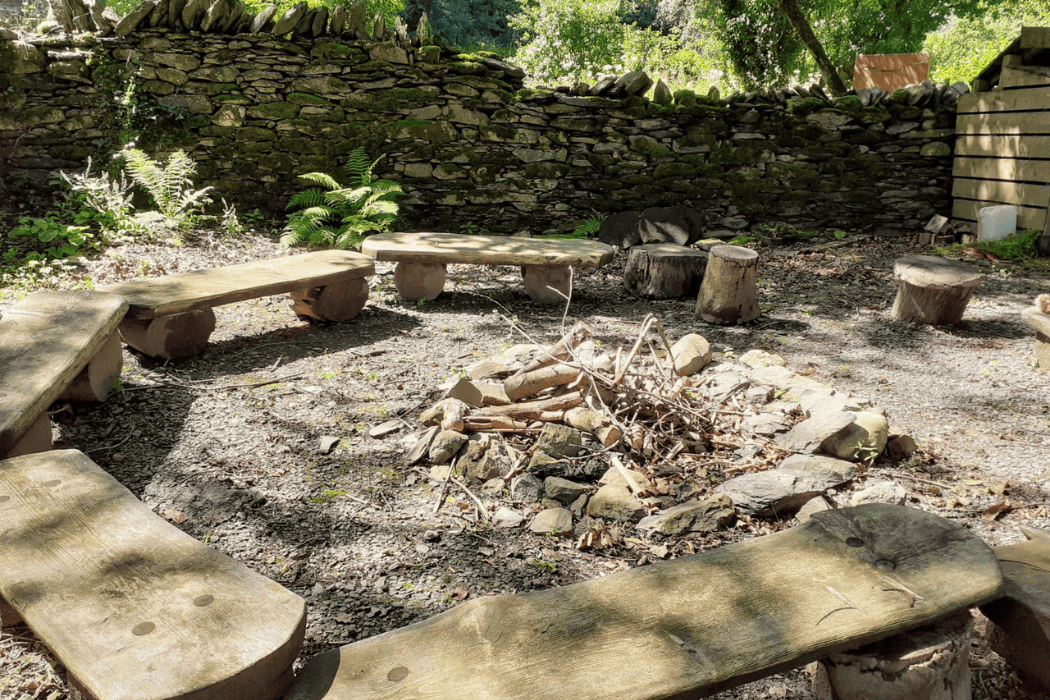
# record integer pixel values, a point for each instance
(531, 410)
(928, 663)
(1020, 621)
(932, 290)
(664, 271)
(683, 628)
(561, 350)
(595, 423)
(532, 383)
(729, 290)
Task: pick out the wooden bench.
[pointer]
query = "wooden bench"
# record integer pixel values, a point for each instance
(683, 628)
(54, 345)
(132, 606)
(1035, 319)
(172, 316)
(422, 259)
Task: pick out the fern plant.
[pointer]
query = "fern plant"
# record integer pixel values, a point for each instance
(170, 186)
(340, 217)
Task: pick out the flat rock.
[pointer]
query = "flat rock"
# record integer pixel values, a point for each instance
(864, 438)
(815, 505)
(616, 502)
(723, 385)
(507, 518)
(613, 476)
(467, 392)
(526, 488)
(562, 490)
(819, 464)
(880, 491)
(807, 436)
(706, 515)
(760, 358)
(691, 353)
(901, 446)
(777, 492)
(446, 444)
(558, 440)
(552, 521)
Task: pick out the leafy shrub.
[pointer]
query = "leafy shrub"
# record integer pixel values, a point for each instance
(50, 237)
(341, 217)
(170, 187)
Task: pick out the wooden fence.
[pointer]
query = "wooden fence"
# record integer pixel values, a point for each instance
(1002, 151)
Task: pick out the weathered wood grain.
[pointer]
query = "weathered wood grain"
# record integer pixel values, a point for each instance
(132, 606)
(45, 341)
(1034, 99)
(1035, 38)
(1002, 168)
(1003, 145)
(1003, 123)
(1027, 217)
(683, 628)
(484, 250)
(201, 289)
(1023, 193)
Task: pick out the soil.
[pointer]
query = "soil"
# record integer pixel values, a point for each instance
(229, 446)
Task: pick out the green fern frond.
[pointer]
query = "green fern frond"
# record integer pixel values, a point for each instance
(358, 168)
(385, 187)
(307, 198)
(346, 196)
(323, 179)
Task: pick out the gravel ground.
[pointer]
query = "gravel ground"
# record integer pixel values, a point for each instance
(227, 445)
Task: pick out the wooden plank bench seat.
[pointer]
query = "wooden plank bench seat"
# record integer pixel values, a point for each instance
(1040, 323)
(132, 606)
(683, 628)
(54, 345)
(172, 316)
(422, 259)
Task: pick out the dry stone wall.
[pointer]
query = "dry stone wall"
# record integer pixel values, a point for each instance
(466, 140)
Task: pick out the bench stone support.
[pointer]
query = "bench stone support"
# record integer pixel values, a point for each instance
(36, 439)
(547, 284)
(415, 281)
(99, 378)
(174, 336)
(337, 302)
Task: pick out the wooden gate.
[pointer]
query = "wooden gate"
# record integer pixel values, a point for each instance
(1002, 149)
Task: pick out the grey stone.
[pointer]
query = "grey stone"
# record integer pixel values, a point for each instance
(634, 83)
(808, 435)
(711, 514)
(864, 438)
(616, 502)
(320, 23)
(552, 521)
(133, 19)
(819, 504)
(722, 386)
(880, 491)
(776, 492)
(388, 52)
(507, 518)
(901, 446)
(264, 16)
(193, 12)
(511, 71)
(662, 94)
(826, 467)
(690, 353)
(289, 20)
(215, 15)
(526, 488)
(680, 225)
(422, 446)
(340, 13)
(562, 490)
(559, 440)
(446, 444)
(766, 424)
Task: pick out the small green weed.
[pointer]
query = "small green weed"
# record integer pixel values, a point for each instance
(472, 229)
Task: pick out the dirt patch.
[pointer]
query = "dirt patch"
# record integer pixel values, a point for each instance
(228, 445)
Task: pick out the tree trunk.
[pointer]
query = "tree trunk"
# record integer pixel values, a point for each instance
(805, 33)
(664, 271)
(728, 293)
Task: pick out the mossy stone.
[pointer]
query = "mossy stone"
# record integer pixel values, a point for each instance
(41, 114)
(685, 98)
(304, 99)
(22, 60)
(802, 106)
(334, 50)
(274, 110)
(850, 104)
(255, 133)
(665, 170)
(433, 132)
(547, 170)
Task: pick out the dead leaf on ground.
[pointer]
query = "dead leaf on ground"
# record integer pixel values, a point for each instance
(995, 511)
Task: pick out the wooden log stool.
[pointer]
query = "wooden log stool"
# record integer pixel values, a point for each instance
(729, 290)
(1040, 322)
(1019, 622)
(664, 271)
(928, 663)
(932, 290)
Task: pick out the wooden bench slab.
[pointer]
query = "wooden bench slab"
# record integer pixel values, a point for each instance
(49, 343)
(133, 607)
(422, 258)
(1020, 630)
(172, 316)
(683, 628)
(932, 290)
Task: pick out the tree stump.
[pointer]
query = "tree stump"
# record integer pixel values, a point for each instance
(728, 292)
(928, 663)
(664, 271)
(932, 290)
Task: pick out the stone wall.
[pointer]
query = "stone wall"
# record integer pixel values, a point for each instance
(465, 140)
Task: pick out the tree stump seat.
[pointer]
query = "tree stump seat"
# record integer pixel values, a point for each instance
(729, 291)
(664, 271)
(54, 345)
(932, 290)
(684, 628)
(172, 316)
(1040, 322)
(422, 259)
(132, 606)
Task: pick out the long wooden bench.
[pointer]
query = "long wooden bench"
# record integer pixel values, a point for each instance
(683, 628)
(1038, 321)
(54, 345)
(172, 316)
(422, 259)
(132, 606)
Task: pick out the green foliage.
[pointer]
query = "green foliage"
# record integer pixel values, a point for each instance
(340, 217)
(388, 8)
(1020, 246)
(170, 186)
(962, 48)
(588, 228)
(467, 24)
(472, 229)
(50, 236)
(105, 200)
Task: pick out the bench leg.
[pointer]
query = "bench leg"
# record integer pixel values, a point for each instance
(178, 335)
(36, 439)
(547, 284)
(1042, 352)
(100, 377)
(415, 281)
(334, 302)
